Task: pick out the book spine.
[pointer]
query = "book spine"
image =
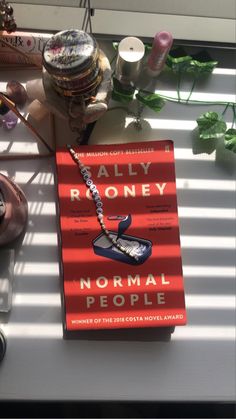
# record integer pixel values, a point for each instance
(28, 42)
(8, 57)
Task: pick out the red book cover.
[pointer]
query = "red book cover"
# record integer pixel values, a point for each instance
(103, 287)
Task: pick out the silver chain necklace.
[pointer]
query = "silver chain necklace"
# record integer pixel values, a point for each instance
(99, 205)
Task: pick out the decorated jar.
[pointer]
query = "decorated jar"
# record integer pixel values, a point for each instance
(71, 58)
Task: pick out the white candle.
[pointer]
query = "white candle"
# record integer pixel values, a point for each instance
(129, 61)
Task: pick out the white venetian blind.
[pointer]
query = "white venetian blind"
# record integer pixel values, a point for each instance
(204, 20)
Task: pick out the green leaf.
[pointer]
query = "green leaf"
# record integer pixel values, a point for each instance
(120, 97)
(121, 93)
(153, 101)
(122, 88)
(148, 48)
(202, 63)
(230, 139)
(197, 64)
(179, 64)
(197, 67)
(115, 45)
(211, 126)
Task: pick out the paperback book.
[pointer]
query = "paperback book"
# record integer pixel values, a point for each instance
(103, 287)
(29, 43)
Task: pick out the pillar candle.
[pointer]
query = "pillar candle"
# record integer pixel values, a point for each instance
(160, 48)
(129, 61)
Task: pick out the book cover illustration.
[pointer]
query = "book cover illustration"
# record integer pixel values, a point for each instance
(103, 287)
(137, 246)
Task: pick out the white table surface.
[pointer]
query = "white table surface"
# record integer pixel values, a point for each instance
(198, 363)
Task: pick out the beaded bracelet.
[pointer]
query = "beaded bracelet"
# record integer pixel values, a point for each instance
(99, 205)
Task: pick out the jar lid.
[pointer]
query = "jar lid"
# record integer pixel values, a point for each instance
(69, 52)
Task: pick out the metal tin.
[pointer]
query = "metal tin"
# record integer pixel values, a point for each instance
(88, 90)
(103, 247)
(77, 83)
(71, 58)
(79, 75)
(69, 52)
